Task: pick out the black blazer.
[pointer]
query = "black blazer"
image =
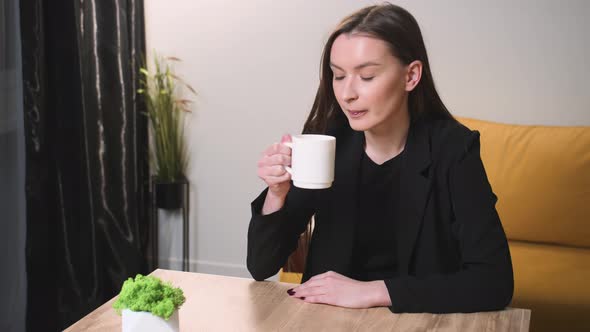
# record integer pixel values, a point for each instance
(452, 250)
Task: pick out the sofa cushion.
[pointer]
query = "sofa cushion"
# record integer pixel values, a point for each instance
(552, 281)
(541, 175)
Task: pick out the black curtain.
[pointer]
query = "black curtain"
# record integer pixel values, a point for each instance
(86, 155)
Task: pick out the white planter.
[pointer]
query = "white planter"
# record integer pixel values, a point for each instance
(136, 321)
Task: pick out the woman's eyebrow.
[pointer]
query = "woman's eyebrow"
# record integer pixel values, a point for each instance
(362, 65)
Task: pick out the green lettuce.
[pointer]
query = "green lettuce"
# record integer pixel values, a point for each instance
(150, 294)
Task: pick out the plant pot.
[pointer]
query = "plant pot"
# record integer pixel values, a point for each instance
(140, 321)
(169, 195)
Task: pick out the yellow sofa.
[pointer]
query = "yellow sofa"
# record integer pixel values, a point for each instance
(541, 175)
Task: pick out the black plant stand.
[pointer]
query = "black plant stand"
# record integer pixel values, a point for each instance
(159, 201)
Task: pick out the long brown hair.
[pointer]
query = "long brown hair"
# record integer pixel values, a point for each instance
(398, 28)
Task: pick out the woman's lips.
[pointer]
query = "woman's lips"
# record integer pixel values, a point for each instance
(355, 114)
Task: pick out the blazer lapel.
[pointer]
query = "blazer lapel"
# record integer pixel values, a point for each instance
(415, 185)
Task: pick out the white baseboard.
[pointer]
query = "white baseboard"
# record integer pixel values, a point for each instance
(226, 269)
(201, 266)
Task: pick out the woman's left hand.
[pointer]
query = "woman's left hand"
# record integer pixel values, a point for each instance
(335, 289)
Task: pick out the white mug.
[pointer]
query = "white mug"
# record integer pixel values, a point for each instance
(312, 161)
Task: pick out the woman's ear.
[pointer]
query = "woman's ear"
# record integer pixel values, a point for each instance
(413, 75)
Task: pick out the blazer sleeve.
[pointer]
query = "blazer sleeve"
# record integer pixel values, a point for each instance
(273, 237)
(484, 281)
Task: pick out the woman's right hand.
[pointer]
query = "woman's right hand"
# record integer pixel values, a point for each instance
(271, 169)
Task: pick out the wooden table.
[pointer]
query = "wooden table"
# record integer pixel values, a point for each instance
(218, 303)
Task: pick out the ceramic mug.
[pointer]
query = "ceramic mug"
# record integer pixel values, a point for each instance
(312, 161)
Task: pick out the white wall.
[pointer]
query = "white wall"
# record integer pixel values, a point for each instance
(255, 65)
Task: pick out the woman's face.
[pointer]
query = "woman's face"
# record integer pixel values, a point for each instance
(370, 84)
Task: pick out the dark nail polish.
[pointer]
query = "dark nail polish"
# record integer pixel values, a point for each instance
(290, 291)
(303, 298)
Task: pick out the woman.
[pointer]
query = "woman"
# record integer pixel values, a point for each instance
(410, 221)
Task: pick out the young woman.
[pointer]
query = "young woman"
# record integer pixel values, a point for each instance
(410, 221)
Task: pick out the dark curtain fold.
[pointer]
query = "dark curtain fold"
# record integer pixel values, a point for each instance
(86, 154)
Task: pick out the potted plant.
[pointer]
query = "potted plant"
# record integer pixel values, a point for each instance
(148, 304)
(166, 111)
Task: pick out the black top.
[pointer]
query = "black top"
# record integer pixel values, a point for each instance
(375, 250)
(451, 250)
